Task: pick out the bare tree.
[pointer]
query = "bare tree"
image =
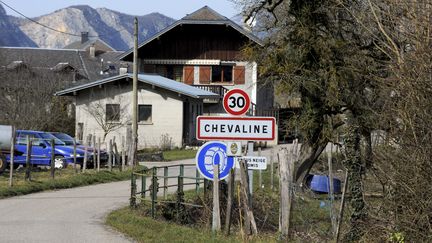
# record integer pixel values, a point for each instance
(109, 116)
(27, 99)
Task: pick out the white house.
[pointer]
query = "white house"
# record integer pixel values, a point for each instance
(166, 109)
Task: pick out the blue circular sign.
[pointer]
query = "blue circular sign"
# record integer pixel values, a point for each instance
(214, 153)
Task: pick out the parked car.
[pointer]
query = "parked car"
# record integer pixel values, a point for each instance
(41, 149)
(69, 141)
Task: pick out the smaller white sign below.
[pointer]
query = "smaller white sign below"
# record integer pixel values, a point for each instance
(254, 163)
(234, 149)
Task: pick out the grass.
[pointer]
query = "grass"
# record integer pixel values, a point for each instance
(146, 229)
(66, 178)
(311, 221)
(179, 154)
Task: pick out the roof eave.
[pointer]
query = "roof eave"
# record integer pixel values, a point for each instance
(182, 21)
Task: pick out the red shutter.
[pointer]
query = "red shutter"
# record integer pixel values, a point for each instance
(239, 74)
(205, 74)
(188, 74)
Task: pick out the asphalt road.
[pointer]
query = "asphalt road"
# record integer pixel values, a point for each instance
(70, 215)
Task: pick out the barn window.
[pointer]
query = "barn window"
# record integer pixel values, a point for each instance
(112, 113)
(145, 113)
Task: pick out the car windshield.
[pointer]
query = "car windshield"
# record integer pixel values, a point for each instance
(65, 138)
(48, 136)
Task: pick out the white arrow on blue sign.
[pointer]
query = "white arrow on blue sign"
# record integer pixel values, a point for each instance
(214, 153)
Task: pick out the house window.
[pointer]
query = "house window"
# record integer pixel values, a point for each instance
(145, 113)
(175, 72)
(221, 74)
(112, 113)
(216, 74)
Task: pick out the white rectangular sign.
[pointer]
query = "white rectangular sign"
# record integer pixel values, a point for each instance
(236, 128)
(254, 163)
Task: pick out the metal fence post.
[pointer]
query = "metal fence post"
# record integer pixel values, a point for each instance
(143, 184)
(197, 181)
(165, 182)
(181, 176)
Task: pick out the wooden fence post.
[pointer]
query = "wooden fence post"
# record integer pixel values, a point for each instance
(250, 224)
(123, 154)
(230, 199)
(84, 167)
(154, 192)
(116, 154)
(98, 154)
(110, 155)
(12, 157)
(28, 158)
(132, 201)
(75, 155)
(271, 170)
(216, 224)
(94, 151)
(52, 158)
(331, 190)
(286, 185)
(342, 206)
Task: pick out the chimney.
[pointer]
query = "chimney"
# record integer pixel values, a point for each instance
(92, 51)
(84, 37)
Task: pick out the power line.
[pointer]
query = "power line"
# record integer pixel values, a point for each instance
(50, 28)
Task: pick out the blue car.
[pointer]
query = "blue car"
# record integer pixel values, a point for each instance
(41, 149)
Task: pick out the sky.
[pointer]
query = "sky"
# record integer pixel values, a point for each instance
(172, 8)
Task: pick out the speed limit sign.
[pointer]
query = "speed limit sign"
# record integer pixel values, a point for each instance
(236, 102)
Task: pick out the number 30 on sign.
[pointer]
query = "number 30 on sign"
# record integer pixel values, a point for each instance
(236, 102)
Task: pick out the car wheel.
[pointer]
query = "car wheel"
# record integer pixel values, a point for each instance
(2, 163)
(59, 162)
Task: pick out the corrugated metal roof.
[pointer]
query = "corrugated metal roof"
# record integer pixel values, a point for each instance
(156, 80)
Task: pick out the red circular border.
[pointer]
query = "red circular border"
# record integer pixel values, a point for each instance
(228, 109)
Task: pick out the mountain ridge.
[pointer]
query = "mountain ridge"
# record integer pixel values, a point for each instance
(113, 27)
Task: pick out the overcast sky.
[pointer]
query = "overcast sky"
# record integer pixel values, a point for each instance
(172, 8)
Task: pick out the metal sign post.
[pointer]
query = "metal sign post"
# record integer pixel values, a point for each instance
(250, 147)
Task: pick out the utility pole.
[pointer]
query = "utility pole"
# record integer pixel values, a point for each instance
(135, 96)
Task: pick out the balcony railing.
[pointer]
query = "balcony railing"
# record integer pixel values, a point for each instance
(217, 89)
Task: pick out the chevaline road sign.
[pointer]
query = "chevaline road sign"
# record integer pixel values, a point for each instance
(236, 128)
(214, 153)
(236, 102)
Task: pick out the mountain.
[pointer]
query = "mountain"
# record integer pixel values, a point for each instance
(113, 27)
(10, 34)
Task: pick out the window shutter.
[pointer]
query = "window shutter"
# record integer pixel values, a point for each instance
(188, 74)
(239, 74)
(205, 74)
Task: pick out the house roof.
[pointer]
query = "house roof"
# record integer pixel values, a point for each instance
(151, 79)
(78, 45)
(52, 59)
(205, 16)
